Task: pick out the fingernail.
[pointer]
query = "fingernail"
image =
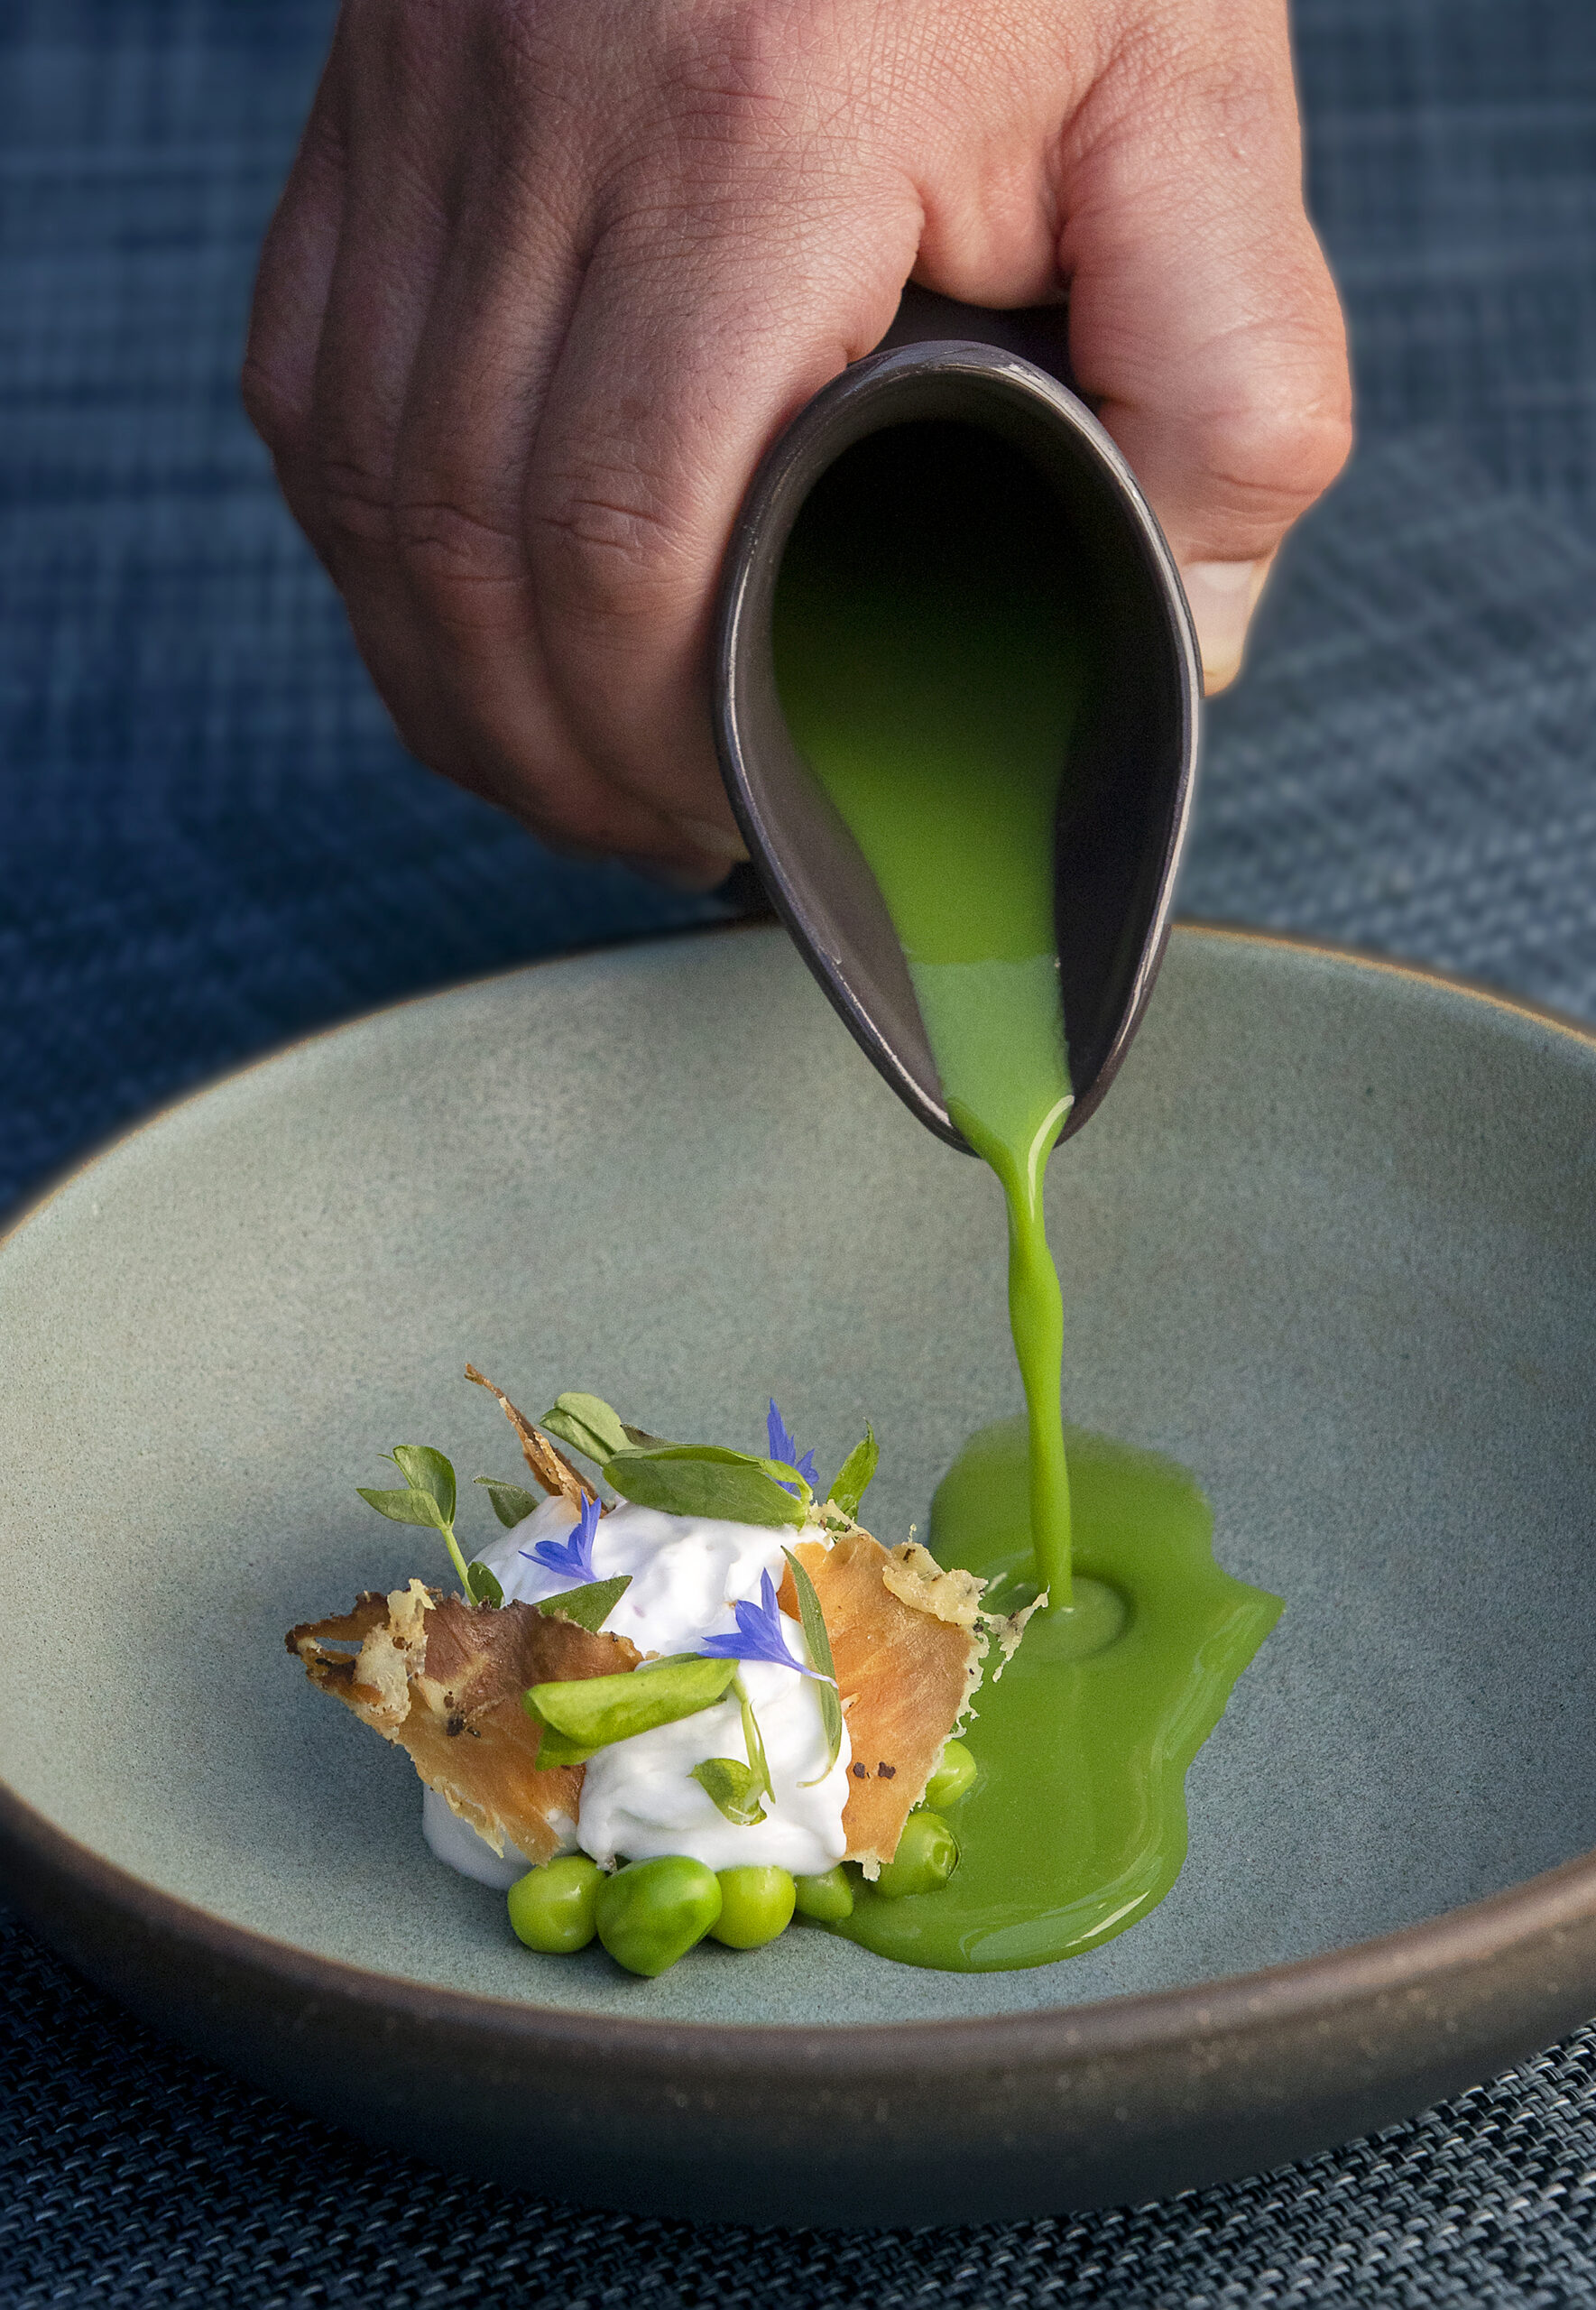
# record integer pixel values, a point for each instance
(1222, 595)
(715, 842)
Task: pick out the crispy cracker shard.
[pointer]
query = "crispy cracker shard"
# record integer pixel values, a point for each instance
(907, 1641)
(547, 1464)
(443, 1679)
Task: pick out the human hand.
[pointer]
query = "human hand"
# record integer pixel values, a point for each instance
(549, 275)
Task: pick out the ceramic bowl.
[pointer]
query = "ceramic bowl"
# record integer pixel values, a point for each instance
(1332, 1244)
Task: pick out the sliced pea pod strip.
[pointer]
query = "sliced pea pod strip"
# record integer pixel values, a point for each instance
(584, 1715)
(820, 1644)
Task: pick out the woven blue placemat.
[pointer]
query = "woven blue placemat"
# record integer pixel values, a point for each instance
(211, 842)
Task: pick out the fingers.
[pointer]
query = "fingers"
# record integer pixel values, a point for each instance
(985, 90)
(1204, 323)
(693, 343)
(475, 397)
(344, 290)
(295, 276)
(398, 222)
(413, 298)
(480, 375)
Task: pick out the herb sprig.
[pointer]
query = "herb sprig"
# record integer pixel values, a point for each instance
(813, 1622)
(777, 1487)
(428, 1499)
(852, 1479)
(739, 1790)
(513, 1503)
(589, 1607)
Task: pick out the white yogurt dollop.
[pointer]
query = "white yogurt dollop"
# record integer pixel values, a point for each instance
(639, 1798)
(451, 1839)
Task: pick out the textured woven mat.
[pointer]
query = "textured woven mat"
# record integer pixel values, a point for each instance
(212, 841)
(140, 2177)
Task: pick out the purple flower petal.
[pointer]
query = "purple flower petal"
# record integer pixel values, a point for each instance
(759, 1633)
(782, 1444)
(572, 1557)
(779, 1440)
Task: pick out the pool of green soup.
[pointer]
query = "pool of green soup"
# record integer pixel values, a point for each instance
(932, 652)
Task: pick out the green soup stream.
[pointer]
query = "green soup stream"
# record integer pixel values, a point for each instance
(932, 653)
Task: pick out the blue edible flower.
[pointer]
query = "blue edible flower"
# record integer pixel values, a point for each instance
(572, 1557)
(782, 1444)
(759, 1635)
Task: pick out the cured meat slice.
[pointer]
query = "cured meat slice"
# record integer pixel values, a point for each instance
(443, 1680)
(907, 1641)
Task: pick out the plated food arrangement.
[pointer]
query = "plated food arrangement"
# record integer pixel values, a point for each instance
(720, 1708)
(715, 1701)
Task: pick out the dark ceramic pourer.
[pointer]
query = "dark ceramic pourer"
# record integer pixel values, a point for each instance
(920, 425)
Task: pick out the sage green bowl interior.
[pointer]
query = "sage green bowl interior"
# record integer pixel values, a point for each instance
(1331, 1243)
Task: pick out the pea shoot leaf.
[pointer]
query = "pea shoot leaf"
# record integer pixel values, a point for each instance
(511, 1501)
(753, 1743)
(554, 1749)
(425, 1469)
(820, 1644)
(719, 1456)
(483, 1583)
(702, 1480)
(429, 1498)
(405, 1507)
(736, 1789)
(587, 1424)
(590, 1605)
(852, 1481)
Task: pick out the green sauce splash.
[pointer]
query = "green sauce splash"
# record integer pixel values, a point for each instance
(1076, 1825)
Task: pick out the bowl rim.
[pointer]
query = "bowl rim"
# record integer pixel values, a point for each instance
(54, 1878)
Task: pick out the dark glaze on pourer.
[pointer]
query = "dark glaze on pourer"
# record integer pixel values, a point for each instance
(1133, 759)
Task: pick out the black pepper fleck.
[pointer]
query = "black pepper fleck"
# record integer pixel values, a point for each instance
(861, 1772)
(886, 1772)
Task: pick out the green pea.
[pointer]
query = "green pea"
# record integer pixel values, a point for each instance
(926, 1856)
(829, 1898)
(952, 1779)
(551, 1908)
(652, 1913)
(756, 1905)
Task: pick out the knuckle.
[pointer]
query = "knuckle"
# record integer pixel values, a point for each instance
(455, 560)
(748, 80)
(1272, 412)
(1225, 62)
(607, 551)
(356, 503)
(737, 67)
(1237, 106)
(1186, 102)
(1273, 455)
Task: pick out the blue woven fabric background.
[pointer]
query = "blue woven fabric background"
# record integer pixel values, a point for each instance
(211, 842)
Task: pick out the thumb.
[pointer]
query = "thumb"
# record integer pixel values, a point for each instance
(1204, 323)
